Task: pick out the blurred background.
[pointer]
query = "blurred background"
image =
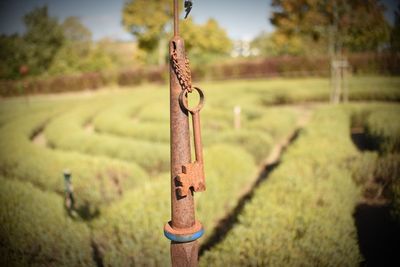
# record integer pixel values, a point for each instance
(300, 128)
(89, 44)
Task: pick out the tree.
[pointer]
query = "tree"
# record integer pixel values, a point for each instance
(79, 54)
(75, 31)
(277, 44)
(147, 21)
(75, 50)
(13, 56)
(395, 34)
(43, 38)
(355, 25)
(204, 42)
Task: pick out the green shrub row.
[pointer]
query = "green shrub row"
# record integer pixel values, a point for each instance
(256, 143)
(149, 121)
(297, 66)
(137, 119)
(301, 215)
(96, 180)
(67, 133)
(35, 230)
(130, 231)
(268, 67)
(383, 126)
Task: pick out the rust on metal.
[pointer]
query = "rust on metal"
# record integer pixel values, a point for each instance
(181, 67)
(183, 230)
(192, 176)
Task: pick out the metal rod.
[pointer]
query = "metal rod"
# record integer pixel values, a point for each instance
(176, 18)
(182, 208)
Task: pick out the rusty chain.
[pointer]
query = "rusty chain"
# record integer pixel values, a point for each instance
(182, 71)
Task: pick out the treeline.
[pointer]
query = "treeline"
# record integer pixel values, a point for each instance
(329, 27)
(53, 56)
(49, 48)
(280, 66)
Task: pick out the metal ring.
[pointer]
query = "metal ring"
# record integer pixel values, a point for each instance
(184, 238)
(184, 235)
(185, 106)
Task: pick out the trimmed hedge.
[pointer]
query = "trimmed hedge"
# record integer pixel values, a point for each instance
(136, 118)
(129, 232)
(97, 180)
(302, 215)
(67, 133)
(283, 66)
(383, 126)
(36, 231)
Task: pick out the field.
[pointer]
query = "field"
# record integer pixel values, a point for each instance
(281, 190)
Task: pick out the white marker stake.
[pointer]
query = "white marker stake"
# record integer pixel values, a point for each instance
(236, 117)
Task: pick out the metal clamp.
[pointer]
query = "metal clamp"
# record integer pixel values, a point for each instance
(184, 235)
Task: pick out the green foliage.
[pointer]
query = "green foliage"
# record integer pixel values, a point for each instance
(129, 233)
(205, 43)
(395, 33)
(49, 48)
(75, 31)
(70, 59)
(308, 200)
(256, 143)
(79, 54)
(135, 120)
(35, 230)
(364, 167)
(67, 133)
(13, 56)
(279, 43)
(389, 168)
(43, 37)
(355, 25)
(147, 20)
(97, 180)
(278, 122)
(383, 126)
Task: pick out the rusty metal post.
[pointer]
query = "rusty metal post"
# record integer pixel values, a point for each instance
(183, 230)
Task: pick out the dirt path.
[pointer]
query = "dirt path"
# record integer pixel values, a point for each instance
(89, 128)
(39, 138)
(304, 116)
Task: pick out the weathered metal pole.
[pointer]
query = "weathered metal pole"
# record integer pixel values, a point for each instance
(183, 230)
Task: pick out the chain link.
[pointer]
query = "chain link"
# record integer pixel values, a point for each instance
(182, 71)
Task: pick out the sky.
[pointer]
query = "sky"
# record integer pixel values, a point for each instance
(242, 19)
